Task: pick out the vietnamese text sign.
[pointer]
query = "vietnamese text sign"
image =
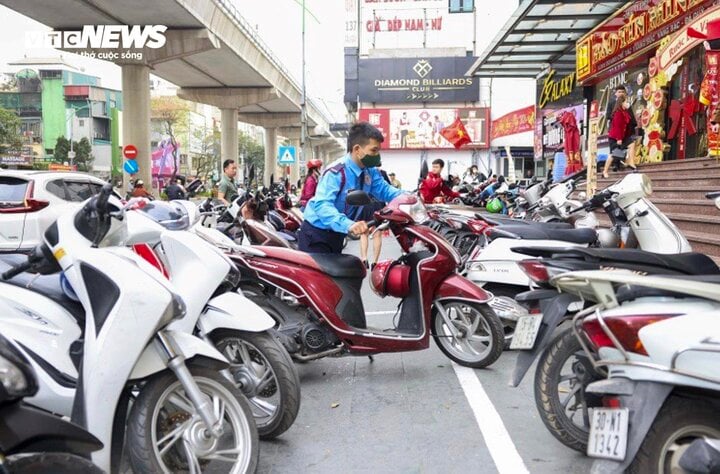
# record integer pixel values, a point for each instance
(417, 80)
(636, 28)
(420, 128)
(518, 121)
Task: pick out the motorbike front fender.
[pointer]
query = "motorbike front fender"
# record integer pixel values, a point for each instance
(553, 312)
(644, 399)
(29, 430)
(234, 311)
(458, 287)
(152, 360)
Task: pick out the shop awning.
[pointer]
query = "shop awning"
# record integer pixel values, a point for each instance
(541, 34)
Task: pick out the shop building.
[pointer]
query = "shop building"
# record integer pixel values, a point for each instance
(645, 47)
(538, 45)
(52, 100)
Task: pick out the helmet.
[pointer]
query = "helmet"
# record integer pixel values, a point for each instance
(608, 239)
(494, 206)
(391, 278)
(314, 164)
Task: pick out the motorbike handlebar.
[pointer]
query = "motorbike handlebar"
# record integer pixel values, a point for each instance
(16, 270)
(101, 205)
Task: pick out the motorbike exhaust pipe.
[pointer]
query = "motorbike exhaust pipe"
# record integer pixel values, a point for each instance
(319, 355)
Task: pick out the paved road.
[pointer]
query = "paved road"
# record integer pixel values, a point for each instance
(411, 413)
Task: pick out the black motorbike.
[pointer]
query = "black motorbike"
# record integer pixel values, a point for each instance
(33, 440)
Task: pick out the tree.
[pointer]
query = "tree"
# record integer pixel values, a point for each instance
(173, 113)
(207, 160)
(10, 138)
(83, 152)
(253, 154)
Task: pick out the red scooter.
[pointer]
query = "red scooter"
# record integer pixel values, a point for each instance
(316, 297)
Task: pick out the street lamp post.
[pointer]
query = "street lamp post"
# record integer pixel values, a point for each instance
(71, 155)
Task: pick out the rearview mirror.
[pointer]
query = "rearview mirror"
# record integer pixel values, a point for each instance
(357, 198)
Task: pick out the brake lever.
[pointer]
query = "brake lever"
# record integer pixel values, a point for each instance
(382, 226)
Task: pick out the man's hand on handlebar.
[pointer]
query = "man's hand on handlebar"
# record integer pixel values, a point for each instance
(359, 228)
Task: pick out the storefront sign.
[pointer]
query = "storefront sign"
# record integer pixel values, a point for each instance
(16, 160)
(682, 43)
(60, 167)
(634, 29)
(417, 80)
(420, 128)
(593, 133)
(554, 89)
(518, 121)
(712, 75)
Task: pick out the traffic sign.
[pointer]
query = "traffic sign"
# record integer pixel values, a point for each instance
(130, 152)
(287, 155)
(131, 167)
(71, 154)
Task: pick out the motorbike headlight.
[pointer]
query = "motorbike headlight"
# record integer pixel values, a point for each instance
(13, 379)
(419, 213)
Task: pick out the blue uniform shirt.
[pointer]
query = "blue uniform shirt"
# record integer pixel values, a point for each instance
(327, 209)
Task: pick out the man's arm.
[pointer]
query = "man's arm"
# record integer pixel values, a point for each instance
(447, 191)
(324, 203)
(222, 192)
(380, 189)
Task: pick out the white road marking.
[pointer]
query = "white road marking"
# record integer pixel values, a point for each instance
(497, 439)
(378, 313)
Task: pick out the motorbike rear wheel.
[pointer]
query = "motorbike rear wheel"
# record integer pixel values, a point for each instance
(560, 370)
(476, 338)
(679, 422)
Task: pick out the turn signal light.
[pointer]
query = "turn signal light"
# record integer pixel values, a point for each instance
(611, 402)
(149, 255)
(624, 328)
(535, 270)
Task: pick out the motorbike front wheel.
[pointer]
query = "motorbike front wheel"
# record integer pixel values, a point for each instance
(476, 338)
(165, 432)
(560, 381)
(263, 371)
(56, 463)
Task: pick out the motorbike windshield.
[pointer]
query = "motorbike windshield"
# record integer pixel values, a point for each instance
(171, 215)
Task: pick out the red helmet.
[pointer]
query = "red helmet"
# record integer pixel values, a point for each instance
(314, 164)
(392, 278)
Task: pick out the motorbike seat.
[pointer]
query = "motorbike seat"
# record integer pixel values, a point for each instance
(46, 285)
(690, 263)
(630, 292)
(529, 232)
(340, 266)
(505, 221)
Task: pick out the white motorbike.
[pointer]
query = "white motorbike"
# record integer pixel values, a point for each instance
(236, 326)
(98, 335)
(496, 268)
(662, 362)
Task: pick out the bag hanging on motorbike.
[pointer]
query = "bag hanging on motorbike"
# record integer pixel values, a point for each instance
(494, 205)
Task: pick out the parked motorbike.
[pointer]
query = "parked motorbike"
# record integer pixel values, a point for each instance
(33, 440)
(238, 328)
(96, 331)
(315, 298)
(663, 381)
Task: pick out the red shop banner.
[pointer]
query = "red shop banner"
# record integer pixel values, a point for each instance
(518, 121)
(633, 30)
(710, 85)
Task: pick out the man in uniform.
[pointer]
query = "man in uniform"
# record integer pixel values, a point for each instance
(328, 218)
(227, 189)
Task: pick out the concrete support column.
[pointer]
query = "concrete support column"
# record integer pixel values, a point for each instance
(229, 136)
(136, 119)
(295, 167)
(271, 152)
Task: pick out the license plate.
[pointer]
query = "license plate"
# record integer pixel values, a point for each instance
(526, 331)
(608, 433)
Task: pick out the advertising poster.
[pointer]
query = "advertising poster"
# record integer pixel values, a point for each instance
(518, 121)
(420, 128)
(712, 76)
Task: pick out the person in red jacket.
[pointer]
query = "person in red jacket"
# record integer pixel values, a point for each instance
(621, 132)
(311, 182)
(434, 187)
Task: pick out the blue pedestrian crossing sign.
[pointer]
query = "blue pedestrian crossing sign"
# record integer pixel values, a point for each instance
(287, 155)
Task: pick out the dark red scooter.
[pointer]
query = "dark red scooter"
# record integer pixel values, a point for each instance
(316, 297)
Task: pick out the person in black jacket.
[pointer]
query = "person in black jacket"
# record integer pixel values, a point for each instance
(175, 191)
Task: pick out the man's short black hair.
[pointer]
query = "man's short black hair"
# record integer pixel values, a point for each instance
(439, 162)
(227, 163)
(361, 133)
(620, 88)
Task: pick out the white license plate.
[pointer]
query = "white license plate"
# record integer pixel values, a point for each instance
(608, 433)
(526, 331)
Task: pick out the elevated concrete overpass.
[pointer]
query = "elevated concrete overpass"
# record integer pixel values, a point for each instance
(212, 54)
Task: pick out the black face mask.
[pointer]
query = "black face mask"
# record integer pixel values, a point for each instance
(371, 161)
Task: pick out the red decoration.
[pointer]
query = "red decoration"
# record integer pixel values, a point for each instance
(456, 134)
(679, 109)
